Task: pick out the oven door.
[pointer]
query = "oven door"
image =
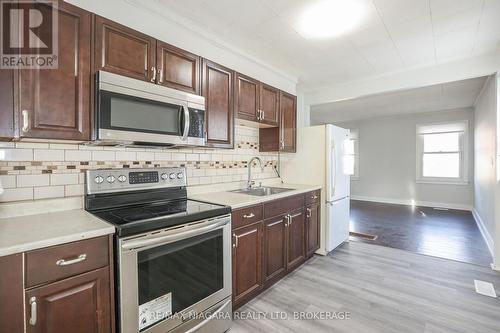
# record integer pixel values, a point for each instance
(167, 276)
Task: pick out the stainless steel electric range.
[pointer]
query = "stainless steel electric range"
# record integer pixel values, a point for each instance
(173, 255)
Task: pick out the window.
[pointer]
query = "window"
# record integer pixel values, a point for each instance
(351, 155)
(442, 153)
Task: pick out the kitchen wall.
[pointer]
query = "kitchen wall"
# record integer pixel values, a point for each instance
(33, 171)
(387, 161)
(485, 114)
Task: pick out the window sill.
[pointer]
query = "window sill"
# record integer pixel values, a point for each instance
(442, 182)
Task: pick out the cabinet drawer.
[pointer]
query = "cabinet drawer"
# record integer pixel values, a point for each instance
(313, 197)
(281, 206)
(58, 262)
(246, 216)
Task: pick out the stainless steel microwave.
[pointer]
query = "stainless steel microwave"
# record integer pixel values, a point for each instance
(132, 112)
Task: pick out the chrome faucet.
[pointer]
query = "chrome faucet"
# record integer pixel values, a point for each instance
(250, 182)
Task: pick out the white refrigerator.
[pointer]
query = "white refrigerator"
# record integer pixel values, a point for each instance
(320, 161)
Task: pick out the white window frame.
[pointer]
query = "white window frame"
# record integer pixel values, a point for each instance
(354, 136)
(463, 178)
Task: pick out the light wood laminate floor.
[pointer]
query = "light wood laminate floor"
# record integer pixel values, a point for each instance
(384, 289)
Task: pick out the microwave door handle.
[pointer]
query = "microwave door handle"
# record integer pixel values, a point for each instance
(186, 123)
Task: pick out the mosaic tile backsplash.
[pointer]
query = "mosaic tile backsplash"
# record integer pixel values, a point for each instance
(31, 171)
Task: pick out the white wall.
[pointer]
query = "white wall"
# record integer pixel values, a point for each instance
(485, 120)
(387, 161)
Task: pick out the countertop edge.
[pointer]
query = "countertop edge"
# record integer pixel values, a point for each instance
(24, 247)
(255, 200)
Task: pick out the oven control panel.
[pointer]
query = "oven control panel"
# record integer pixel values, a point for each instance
(115, 180)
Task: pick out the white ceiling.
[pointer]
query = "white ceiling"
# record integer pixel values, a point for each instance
(395, 35)
(447, 96)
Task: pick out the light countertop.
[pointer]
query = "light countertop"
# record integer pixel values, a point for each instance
(24, 233)
(239, 200)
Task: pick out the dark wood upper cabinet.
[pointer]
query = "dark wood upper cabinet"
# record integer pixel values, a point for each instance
(55, 104)
(247, 262)
(11, 293)
(275, 244)
(124, 51)
(7, 103)
(296, 253)
(177, 68)
(269, 105)
(288, 122)
(247, 91)
(217, 89)
(80, 304)
(313, 213)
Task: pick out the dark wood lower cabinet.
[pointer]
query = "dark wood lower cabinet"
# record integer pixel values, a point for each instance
(77, 305)
(11, 293)
(274, 247)
(78, 300)
(247, 262)
(296, 253)
(313, 215)
(265, 251)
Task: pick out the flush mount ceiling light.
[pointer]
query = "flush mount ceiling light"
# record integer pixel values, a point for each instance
(330, 18)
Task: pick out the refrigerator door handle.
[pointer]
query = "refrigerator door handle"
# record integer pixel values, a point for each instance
(334, 166)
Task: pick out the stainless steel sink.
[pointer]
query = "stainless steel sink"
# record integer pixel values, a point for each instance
(262, 191)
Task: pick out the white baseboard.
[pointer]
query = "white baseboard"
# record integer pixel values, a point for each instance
(412, 202)
(486, 235)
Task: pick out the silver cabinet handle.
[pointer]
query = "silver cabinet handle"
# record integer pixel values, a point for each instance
(308, 210)
(64, 262)
(263, 114)
(258, 114)
(249, 216)
(26, 119)
(235, 240)
(160, 74)
(288, 222)
(153, 78)
(33, 311)
(282, 144)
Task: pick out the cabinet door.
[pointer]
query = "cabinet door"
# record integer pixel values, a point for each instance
(274, 248)
(177, 68)
(313, 214)
(296, 239)
(288, 122)
(55, 103)
(7, 103)
(78, 305)
(247, 97)
(11, 293)
(269, 104)
(219, 114)
(247, 262)
(124, 51)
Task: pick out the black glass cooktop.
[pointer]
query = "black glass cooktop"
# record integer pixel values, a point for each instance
(144, 217)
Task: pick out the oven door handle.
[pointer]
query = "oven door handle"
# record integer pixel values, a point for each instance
(210, 318)
(186, 123)
(176, 235)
